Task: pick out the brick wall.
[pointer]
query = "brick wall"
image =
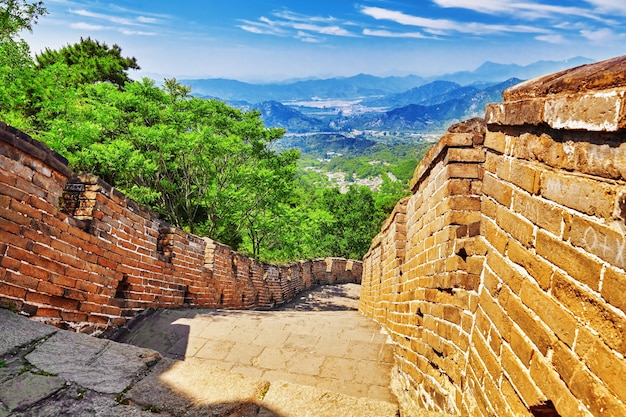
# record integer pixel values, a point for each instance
(76, 253)
(502, 278)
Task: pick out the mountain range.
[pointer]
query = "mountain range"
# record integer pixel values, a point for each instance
(347, 114)
(363, 85)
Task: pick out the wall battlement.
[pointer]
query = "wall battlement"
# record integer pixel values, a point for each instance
(77, 253)
(501, 279)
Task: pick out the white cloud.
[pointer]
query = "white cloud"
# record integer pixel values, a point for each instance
(305, 37)
(144, 19)
(555, 39)
(483, 6)
(86, 26)
(136, 32)
(389, 34)
(526, 10)
(302, 27)
(600, 35)
(324, 30)
(608, 6)
(440, 26)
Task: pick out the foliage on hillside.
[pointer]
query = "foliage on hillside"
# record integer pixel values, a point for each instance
(203, 165)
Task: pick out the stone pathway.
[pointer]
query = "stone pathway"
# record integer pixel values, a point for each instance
(320, 340)
(313, 358)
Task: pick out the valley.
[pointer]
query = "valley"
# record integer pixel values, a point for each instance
(340, 124)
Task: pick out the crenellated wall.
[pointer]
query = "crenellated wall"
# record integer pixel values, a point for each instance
(76, 253)
(501, 279)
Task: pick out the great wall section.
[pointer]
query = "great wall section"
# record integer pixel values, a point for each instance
(76, 253)
(501, 279)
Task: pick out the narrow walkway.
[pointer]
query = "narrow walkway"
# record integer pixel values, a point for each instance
(316, 357)
(319, 340)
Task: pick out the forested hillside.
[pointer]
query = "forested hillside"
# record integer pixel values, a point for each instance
(203, 165)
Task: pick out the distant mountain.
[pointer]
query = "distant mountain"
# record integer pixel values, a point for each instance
(429, 94)
(349, 88)
(469, 102)
(370, 88)
(491, 71)
(275, 114)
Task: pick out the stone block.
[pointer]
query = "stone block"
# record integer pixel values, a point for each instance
(576, 263)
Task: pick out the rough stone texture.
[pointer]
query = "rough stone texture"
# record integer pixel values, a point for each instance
(15, 336)
(115, 382)
(27, 389)
(590, 97)
(287, 399)
(320, 341)
(96, 364)
(523, 312)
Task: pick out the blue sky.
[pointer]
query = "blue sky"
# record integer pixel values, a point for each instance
(280, 39)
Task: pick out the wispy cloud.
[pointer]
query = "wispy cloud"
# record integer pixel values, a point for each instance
(87, 26)
(609, 6)
(553, 38)
(599, 35)
(388, 34)
(105, 17)
(302, 27)
(129, 32)
(442, 26)
(526, 10)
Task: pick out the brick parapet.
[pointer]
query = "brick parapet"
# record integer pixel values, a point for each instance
(75, 252)
(509, 300)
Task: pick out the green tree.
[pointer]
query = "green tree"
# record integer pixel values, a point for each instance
(18, 15)
(90, 61)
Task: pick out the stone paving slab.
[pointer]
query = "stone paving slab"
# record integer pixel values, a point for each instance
(309, 369)
(319, 341)
(96, 364)
(37, 390)
(17, 331)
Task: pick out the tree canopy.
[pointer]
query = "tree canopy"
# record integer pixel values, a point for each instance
(18, 15)
(90, 61)
(206, 167)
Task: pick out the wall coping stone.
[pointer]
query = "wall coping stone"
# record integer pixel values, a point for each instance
(590, 97)
(34, 148)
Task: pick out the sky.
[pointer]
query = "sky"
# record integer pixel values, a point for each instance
(279, 40)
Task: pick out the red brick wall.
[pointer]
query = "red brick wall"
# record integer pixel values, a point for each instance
(501, 280)
(76, 253)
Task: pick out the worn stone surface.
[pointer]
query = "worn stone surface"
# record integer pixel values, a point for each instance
(71, 374)
(100, 365)
(302, 342)
(27, 389)
(288, 399)
(178, 386)
(15, 336)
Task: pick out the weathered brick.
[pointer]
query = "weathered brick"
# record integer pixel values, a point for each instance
(562, 323)
(595, 198)
(498, 189)
(575, 262)
(591, 311)
(518, 227)
(540, 270)
(614, 288)
(520, 378)
(538, 332)
(600, 240)
(603, 362)
(495, 141)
